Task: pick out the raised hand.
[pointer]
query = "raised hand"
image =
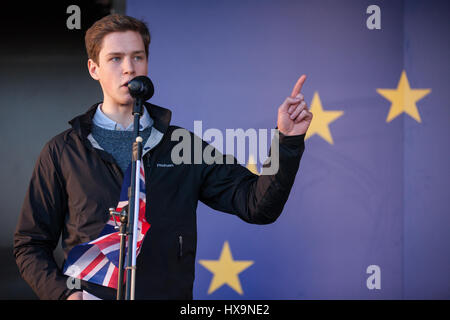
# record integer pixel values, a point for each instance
(294, 117)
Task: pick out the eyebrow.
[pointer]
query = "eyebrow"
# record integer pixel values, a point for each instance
(123, 53)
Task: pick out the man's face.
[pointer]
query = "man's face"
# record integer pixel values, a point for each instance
(121, 58)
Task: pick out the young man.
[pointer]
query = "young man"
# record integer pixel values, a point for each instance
(79, 174)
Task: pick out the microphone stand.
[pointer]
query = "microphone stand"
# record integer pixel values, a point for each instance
(129, 224)
(141, 88)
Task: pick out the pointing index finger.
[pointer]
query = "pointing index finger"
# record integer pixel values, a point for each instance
(298, 86)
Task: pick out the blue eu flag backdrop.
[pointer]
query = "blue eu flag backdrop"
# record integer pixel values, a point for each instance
(368, 215)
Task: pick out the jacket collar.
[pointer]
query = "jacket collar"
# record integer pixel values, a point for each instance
(82, 124)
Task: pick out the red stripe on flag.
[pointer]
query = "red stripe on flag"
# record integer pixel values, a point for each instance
(113, 281)
(107, 241)
(92, 265)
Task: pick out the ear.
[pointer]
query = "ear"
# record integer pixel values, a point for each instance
(93, 69)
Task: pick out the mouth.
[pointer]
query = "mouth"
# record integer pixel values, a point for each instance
(125, 84)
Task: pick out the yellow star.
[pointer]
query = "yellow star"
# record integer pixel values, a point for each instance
(403, 99)
(251, 165)
(321, 120)
(225, 270)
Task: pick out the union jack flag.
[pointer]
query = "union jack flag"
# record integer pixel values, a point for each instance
(97, 261)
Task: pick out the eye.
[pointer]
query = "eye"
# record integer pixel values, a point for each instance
(138, 58)
(115, 59)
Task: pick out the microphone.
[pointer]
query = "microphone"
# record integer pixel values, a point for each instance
(141, 87)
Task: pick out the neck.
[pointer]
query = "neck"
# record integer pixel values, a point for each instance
(120, 113)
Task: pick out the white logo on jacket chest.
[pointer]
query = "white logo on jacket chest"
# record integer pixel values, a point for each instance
(164, 165)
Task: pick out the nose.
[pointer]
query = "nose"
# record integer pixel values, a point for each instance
(128, 66)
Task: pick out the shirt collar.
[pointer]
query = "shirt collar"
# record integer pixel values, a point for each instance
(101, 120)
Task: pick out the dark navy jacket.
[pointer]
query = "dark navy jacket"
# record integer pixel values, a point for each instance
(74, 183)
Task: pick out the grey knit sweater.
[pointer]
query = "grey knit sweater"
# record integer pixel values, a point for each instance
(118, 143)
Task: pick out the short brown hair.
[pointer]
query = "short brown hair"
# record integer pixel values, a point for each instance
(113, 23)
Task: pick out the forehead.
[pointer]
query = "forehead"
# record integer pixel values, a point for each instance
(128, 41)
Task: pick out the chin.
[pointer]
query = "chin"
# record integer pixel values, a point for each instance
(126, 101)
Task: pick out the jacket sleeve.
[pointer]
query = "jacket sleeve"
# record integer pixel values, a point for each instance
(257, 199)
(39, 227)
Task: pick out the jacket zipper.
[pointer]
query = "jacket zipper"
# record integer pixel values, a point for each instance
(180, 246)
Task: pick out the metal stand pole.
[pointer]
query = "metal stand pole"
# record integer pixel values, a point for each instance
(133, 203)
(141, 88)
(123, 217)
